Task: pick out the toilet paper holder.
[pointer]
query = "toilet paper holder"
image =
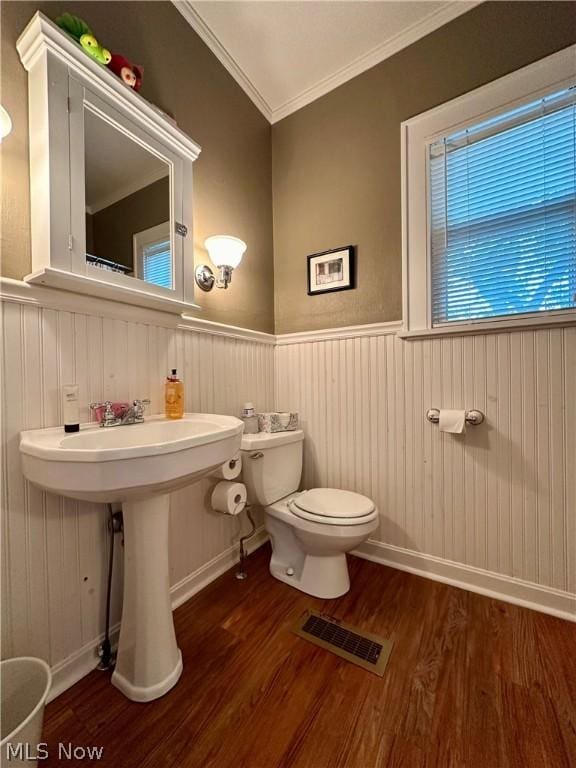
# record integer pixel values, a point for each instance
(473, 417)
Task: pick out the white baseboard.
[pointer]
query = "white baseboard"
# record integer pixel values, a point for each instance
(76, 666)
(79, 664)
(511, 590)
(194, 582)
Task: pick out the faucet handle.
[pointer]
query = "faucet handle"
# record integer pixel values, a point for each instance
(107, 405)
(139, 406)
(108, 417)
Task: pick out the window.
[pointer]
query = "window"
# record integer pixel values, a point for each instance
(157, 263)
(503, 214)
(489, 204)
(153, 255)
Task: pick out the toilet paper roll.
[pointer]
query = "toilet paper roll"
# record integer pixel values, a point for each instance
(452, 421)
(229, 498)
(230, 470)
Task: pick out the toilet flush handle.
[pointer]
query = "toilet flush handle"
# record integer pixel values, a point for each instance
(257, 455)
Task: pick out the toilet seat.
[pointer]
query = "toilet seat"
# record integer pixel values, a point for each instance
(332, 506)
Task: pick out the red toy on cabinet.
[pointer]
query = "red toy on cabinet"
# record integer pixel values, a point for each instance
(131, 74)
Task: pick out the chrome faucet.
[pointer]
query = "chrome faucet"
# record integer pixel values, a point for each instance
(134, 414)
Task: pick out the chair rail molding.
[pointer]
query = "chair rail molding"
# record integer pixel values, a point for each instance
(200, 325)
(50, 297)
(344, 332)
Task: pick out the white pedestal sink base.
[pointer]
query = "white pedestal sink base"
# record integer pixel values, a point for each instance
(131, 465)
(143, 694)
(149, 662)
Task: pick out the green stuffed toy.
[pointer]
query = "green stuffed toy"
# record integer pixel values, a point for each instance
(82, 33)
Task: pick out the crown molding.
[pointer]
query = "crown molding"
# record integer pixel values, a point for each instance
(403, 39)
(186, 8)
(381, 52)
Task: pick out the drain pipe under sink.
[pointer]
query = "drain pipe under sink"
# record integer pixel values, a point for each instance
(241, 573)
(115, 525)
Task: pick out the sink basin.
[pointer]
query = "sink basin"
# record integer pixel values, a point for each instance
(116, 464)
(137, 465)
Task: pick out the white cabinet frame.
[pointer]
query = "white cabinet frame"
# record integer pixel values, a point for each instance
(63, 82)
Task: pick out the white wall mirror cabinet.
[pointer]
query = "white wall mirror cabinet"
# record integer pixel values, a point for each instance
(111, 180)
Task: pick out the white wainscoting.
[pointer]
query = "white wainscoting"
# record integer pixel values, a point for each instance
(494, 511)
(498, 502)
(54, 549)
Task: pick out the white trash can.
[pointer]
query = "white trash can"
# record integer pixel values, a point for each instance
(24, 686)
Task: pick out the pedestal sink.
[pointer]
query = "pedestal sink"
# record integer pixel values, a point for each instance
(138, 466)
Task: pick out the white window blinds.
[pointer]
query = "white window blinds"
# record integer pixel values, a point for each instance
(502, 214)
(157, 263)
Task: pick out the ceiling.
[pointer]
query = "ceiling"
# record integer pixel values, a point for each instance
(287, 53)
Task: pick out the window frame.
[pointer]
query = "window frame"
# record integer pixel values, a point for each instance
(553, 73)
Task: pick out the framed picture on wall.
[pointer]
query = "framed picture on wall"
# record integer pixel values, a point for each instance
(331, 270)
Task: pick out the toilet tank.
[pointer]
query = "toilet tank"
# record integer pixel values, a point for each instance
(271, 465)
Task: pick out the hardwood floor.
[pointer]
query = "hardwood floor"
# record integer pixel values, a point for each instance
(471, 683)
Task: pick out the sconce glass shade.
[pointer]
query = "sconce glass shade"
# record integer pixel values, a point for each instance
(5, 123)
(225, 250)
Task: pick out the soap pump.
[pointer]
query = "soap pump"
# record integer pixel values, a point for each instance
(174, 396)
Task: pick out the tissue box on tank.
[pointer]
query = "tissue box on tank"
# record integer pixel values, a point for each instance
(278, 421)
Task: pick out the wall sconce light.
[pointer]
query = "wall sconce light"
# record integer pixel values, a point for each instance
(5, 123)
(226, 253)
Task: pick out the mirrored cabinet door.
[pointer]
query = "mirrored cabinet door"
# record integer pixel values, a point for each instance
(124, 205)
(127, 201)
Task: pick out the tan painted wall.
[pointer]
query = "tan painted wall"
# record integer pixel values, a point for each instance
(232, 177)
(336, 162)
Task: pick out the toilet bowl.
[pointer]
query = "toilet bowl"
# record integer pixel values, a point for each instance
(311, 531)
(309, 553)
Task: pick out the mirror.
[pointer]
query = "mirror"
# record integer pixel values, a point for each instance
(127, 192)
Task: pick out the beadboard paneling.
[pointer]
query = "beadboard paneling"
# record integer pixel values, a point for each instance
(54, 549)
(501, 498)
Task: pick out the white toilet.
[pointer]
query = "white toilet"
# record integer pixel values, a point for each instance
(310, 530)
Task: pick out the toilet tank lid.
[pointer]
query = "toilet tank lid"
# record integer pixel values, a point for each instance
(270, 440)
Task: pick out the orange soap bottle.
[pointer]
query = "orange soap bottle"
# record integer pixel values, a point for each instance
(174, 396)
